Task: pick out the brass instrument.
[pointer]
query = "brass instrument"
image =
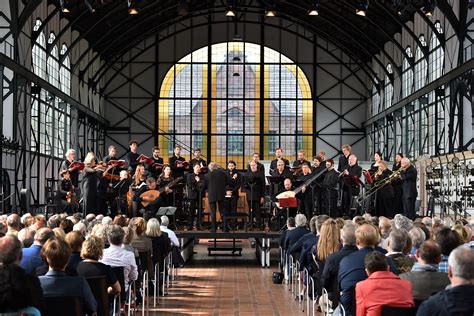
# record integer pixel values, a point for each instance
(364, 196)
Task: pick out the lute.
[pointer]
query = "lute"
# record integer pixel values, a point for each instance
(153, 195)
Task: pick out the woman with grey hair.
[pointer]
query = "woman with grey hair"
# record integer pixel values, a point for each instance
(417, 236)
(403, 222)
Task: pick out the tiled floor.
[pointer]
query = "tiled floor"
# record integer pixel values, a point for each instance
(226, 286)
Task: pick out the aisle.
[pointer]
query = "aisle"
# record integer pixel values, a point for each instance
(226, 286)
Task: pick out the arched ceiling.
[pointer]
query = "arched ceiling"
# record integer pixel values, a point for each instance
(111, 31)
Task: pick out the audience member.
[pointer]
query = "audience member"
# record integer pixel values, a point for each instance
(448, 240)
(56, 283)
(13, 224)
(417, 236)
(32, 255)
(59, 233)
(127, 240)
(116, 256)
(402, 222)
(293, 235)
(331, 268)
(91, 252)
(298, 245)
(396, 242)
(164, 228)
(67, 225)
(352, 268)
(141, 242)
(385, 226)
(458, 300)
(26, 236)
(290, 225)
(382, 287)
(160, 241)
(74, 240)
(424, 276)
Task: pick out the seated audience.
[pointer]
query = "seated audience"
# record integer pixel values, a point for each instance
(292, 236)
(160, 241)
(331, 268)
(396, 242)
(306, 254)
(116, 256)
(13, 224)
(448, 240)
(91, 252)
(31, 258)
(417, 236)
(26, 236)
(74, 240)
(385, 226)
(290, 225)
(141, 242)
(56, 283)
(424, 276)
(458, 300)
(164, 228)
(352, 268)
(127, 240)
(382, 287)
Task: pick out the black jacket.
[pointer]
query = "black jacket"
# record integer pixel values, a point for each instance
(293, 235)
(354, 171)
(216, 181)
(258, 189)
(131, 160)
(386, 191)
(176, 171)
(233, 184)
(343, 162)
(273, 164)
(409, 182)
(194, 186)
(455, 301)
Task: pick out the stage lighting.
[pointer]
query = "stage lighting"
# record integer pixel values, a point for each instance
(428, 7)
(314, 9)
(361, 8)
(132, 7)
(65, 6)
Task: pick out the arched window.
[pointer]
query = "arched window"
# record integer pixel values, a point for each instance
(234, 114)
(388, 89)
(436, 57)
(39, 52)
(420, 65)
(65, 72)
(53, 62)
(375, 99)
(407, 75)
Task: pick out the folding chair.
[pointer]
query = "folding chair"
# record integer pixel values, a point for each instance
(63, 305)
(98, 287)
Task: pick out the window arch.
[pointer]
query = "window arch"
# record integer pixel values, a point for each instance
(421, 66)
(39, 52)
(436, 57)
(65, 71)
(388, 88)
(407, 74)
(53, 62)
(235, 108)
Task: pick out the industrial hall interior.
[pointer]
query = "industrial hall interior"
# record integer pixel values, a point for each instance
(237, 157)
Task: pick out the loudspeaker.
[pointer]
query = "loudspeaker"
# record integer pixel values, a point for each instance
(24, 200)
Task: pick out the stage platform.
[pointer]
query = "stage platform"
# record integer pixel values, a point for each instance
(263, 240)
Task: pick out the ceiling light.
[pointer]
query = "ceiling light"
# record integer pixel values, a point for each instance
(132, 7)
(65, 6)
(270, 13)
(361, 8)
(428, 7)
(230, 12)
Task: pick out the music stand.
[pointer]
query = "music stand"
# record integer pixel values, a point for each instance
(168, 211)
(250, 181)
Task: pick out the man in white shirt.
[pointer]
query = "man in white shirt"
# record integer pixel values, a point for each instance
(116, 256)
(164, 228)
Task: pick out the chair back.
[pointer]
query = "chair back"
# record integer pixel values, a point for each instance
(398, 311)
(145, 263)
(63, 305)
(98, 287)
(121, 278)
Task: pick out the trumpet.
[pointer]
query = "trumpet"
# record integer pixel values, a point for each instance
(364, 196)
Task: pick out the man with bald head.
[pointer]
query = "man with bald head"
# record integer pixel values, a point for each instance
(409, 193)
(13, 224)
(350, 186)
(458, 300)
(352, 267)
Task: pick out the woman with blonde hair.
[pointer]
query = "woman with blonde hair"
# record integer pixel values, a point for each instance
(141, 242)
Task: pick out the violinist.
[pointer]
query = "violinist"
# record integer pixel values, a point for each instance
(92, 175)
(73, 172)
(384, 196)
(121, 189)
(139, 180)
(65, 194)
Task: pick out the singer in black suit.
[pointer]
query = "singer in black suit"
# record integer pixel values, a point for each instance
(353, 170)
(397, 185)
(282, 172)
(132, 156)
(344, 158)
(195, 186)
(305, 196)
(330, 189)
(278, 156)
(408, 175)
(216, 181)
(384, 196)
(234, 181)
(254, 187)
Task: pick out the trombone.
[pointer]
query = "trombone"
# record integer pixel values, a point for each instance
(364, 196)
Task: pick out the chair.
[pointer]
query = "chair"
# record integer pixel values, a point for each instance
(98, 287)
(63, 305)
(398, 311)
(119, 273)
(144, 263)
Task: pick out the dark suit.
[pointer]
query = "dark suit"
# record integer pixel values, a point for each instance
(195, 189)
(234, 186)
(131, 160)
(58, 284)
(384, 195)
(176, 171)
(294, 235)
(194, 161)
(455, 301)
(348, 191)
(254, 187)
(216, 181)
(330, 192)
(409, 191)
(397, 191)
(305, 199)
(273, 164)
(343, 162)
(286, 174)
(351, 271)
(260, 168)
(426, 283)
